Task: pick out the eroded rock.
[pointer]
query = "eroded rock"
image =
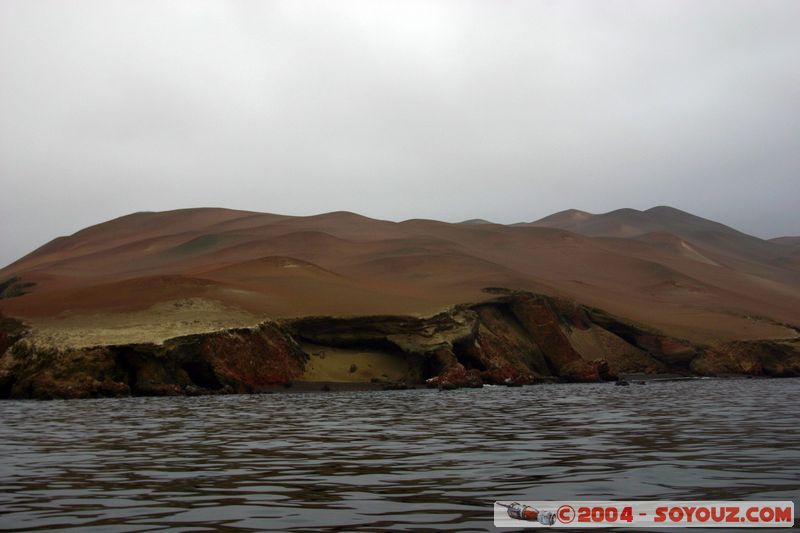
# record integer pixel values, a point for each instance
(515, 339)
(238, 360)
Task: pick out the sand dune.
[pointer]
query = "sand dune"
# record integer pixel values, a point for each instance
(689, 276)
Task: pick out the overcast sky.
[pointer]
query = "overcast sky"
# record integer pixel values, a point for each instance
(450, 110)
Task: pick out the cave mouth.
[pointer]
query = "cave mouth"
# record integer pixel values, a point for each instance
(6, 387)
(466, 357)
(429, 367)
(202, 375)
(127, 362)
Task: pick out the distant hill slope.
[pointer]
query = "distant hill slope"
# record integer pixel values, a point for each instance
(787, 241)
(632, 222)
(678, 272)
(476, 221)
(729, 245)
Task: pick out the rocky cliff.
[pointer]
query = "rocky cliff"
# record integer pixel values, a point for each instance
(516, 338)
(235, 360)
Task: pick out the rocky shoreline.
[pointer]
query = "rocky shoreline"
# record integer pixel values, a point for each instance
(517, 338)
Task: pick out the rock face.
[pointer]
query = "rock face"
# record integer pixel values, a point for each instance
(517, 338)
(761, 358)
(540, 318)
(408, 334)
(237, 360)
(430, 344)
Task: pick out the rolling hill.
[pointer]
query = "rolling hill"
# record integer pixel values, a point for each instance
(204, 301)
(680, 273)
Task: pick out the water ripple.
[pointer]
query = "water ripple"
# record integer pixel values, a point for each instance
(395, 461)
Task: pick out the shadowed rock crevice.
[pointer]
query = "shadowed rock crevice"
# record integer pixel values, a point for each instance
(201, 373)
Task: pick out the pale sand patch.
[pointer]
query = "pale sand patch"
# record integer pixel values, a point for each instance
(334, 365)
(153, 325)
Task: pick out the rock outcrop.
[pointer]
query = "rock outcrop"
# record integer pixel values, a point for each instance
(540, 318)
(236, 361)
(408, 334)
(517, 338)
(753, 358)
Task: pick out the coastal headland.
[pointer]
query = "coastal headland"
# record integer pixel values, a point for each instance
(207, 301)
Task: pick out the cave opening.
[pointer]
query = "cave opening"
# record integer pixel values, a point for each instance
(6, 386)
(127, 365)
(467, 357)
(202, 374)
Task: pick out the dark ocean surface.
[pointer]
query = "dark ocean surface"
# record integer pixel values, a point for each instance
(413, 460)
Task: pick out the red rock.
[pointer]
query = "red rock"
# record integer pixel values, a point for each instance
(539, 317)
(452, 373)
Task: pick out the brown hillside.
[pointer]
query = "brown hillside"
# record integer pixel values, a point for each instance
(685, 275)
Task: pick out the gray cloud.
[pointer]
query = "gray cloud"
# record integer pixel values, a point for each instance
(451, 110)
